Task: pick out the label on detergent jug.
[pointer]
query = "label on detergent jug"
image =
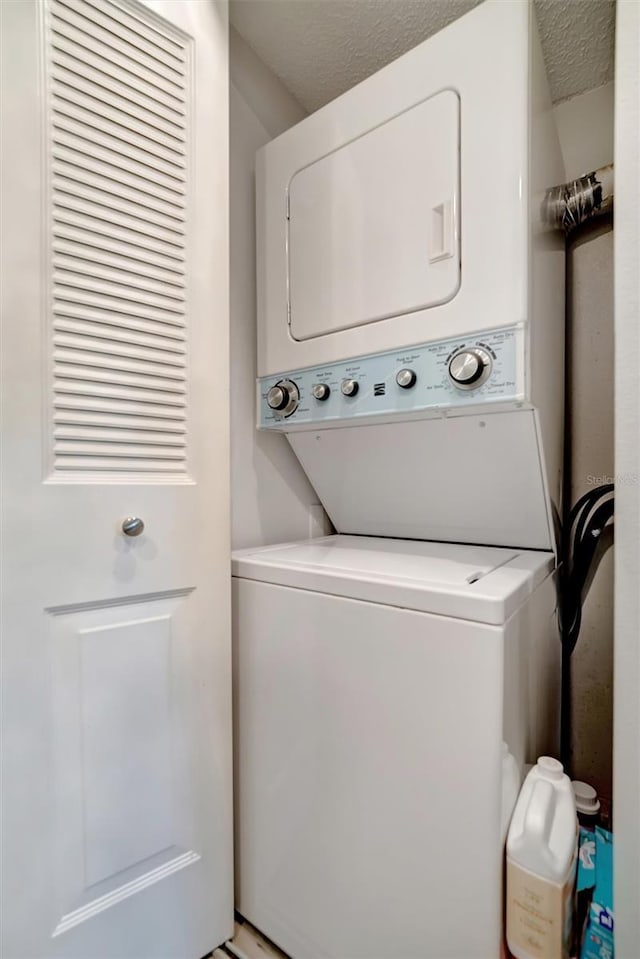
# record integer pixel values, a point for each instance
(538, 914)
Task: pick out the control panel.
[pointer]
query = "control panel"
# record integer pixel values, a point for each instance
(467, 371)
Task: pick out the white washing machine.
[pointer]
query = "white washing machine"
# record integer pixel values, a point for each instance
(376, 680)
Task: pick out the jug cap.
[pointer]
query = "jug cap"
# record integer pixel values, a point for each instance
(587, 801)
(550, 768)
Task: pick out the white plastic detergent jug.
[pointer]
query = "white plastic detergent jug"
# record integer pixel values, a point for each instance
(541, 864)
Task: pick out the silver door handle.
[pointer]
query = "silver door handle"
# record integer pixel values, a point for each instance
(132, 526)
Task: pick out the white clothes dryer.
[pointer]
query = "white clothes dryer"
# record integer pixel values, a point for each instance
(411, 295)
(376, 680)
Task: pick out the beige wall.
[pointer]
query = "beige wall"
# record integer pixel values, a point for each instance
(590, 340)
(586, 135)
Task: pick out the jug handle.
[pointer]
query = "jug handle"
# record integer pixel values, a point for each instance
(540, 810)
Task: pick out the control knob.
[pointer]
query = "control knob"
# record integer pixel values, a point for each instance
(350, 387)
(406, 379)
(469, 369)
(321, 391)
(283, 398)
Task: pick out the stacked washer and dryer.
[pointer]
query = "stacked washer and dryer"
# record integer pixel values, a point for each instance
(410, 347)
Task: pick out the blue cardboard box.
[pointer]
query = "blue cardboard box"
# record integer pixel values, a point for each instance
(598, 939)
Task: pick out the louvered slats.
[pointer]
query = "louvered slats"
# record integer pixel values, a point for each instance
(118, 149)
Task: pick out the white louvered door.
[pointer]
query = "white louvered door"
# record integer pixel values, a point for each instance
(117, 813)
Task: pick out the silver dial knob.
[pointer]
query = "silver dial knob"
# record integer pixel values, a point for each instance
(283, 398)
(406, 379)
(350, 387)
(321, 391)
(469, 369)
(277, 398)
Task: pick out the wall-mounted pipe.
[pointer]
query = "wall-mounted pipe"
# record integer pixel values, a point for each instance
(567, 206)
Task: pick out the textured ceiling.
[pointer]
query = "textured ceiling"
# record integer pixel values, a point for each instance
(320, 48)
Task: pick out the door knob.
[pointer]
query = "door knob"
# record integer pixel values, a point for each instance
(132, 526)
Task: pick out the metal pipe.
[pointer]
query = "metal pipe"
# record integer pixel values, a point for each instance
(567, 206)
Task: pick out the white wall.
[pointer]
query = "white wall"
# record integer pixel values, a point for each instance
(271, 499)
(627, 462)
(585, 125)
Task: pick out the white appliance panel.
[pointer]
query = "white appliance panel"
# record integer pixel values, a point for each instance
(373, 226)
(369, 753)
(466, 479)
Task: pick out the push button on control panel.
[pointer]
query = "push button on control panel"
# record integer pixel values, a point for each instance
(406, 379)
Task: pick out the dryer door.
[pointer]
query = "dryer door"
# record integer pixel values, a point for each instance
(374, 225)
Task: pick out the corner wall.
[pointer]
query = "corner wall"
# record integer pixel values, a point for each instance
(271, 498)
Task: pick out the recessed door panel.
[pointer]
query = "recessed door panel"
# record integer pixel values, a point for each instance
(374, 226)
(127, 755)
(123, 782)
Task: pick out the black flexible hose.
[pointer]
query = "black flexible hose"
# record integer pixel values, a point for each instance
(585, 544)
(582, 535)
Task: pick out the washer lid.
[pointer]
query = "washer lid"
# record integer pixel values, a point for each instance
(484, 584)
